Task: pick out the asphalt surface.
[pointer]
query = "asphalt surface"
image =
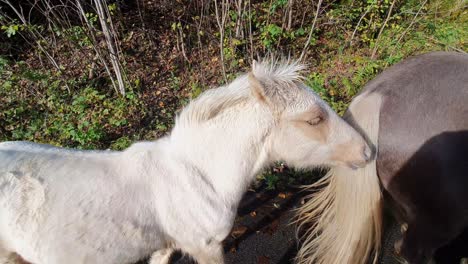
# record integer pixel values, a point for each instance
(267, 236)
(262, 233)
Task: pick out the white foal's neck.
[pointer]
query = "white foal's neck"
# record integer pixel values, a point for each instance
(224, 134)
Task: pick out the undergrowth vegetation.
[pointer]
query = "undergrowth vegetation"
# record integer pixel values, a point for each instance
(103, 75)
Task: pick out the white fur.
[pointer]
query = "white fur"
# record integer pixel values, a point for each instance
(179, 192)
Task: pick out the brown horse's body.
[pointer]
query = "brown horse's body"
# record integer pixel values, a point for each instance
(422, 158)
(415, 114)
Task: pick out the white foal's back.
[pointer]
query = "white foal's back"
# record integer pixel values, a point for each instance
(92, 217)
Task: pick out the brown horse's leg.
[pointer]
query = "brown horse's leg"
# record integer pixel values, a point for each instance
(454, 251)
(421, 241)
(414, 247)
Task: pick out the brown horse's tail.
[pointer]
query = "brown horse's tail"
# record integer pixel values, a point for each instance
(343, 219)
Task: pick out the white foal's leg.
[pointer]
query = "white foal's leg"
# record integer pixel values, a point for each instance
(210, 254)
(161, 256)
(7, 257)
(4, 256)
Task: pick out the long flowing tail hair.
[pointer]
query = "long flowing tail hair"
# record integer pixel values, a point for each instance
(343, 218)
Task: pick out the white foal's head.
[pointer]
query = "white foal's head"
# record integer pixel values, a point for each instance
(306, 131)
(301, 128)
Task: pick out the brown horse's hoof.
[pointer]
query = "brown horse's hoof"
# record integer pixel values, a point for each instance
(403, 228)
(397, 247)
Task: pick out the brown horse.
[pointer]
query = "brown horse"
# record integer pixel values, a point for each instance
(415, 115)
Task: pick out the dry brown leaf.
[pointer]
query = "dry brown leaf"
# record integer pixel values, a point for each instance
(238, 231)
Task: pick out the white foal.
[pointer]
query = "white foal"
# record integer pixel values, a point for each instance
(179, 192)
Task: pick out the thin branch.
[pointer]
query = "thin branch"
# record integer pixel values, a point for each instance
(239, 18)
(358, 24)
(95, 45)
(382, 29)
(412, 22)
(290, 7)
(221, 24)
(109, 34)
(304, 50)
(250, 33)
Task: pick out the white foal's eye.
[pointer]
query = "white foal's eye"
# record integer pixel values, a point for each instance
(315, 121)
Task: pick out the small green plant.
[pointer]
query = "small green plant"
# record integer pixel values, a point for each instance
(316, 82)
(76, 34)
(280, 177)
(11, 29)
(174, 82)
(88, 118)
(121, 143)
(92, 18)
(270, 35)
(196, 89)
(275, 5)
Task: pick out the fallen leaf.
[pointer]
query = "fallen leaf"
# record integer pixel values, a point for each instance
(238, 231)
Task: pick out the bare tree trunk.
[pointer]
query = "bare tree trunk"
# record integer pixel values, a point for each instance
(109, 34)
(95, 43)
(239, 18)
(290, 4)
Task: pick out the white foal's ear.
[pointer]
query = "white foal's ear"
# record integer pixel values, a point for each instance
(256, 86)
